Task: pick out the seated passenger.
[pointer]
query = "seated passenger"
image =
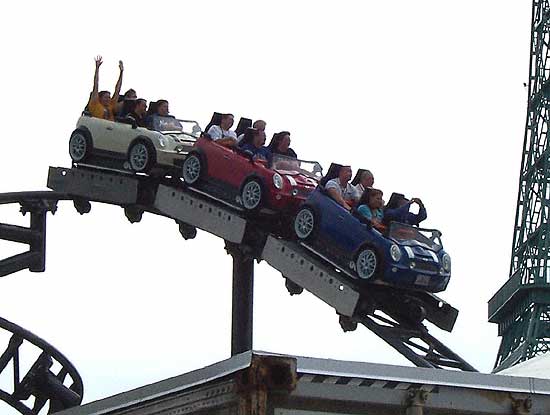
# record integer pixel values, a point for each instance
(126, 103)
(340, 189)
(162, 108)
(138, 112)
(222, 134)
(363, 180)
(280, 144)
(397, 210)
(258, 125)
(370, 207)
(101, 105)
(253, 142)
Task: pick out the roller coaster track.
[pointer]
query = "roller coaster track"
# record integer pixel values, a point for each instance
(51, 379)
(395, 316)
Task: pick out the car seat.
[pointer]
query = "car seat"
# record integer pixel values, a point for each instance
(215, 120)
(332, 173)
(357, 177)
(152, 110)
(243, 124)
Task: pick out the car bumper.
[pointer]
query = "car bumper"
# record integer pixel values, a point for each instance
(170, 158)
(285, 202)
(404, 276)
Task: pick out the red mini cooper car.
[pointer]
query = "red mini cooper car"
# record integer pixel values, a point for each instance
(235, 177)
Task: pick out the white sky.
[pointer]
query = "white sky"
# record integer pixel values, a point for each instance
(427, 94)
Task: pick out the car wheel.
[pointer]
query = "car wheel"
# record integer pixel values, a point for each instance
(79, 146)
(141, 157)
(366, 263)
(304, 223)
(251, 195)
(192, 169)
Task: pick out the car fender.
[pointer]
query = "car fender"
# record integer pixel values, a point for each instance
(257, 177)
(379, 252)
(145, 139)
(200, 153)
(84, 130)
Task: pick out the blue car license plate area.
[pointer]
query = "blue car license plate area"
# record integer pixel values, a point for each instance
(423, 280)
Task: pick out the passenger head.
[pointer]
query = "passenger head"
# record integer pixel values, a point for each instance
(141, 106)
(372, 198)
(280, 142)
(344, 174)
(375, 198)
(104, 98)
(162, 108)
(252, 136)
(283, 142)
(227, 121)
(367, 179)
(260, 126)
(130, 94)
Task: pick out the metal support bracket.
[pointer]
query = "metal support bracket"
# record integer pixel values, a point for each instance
(416, 400)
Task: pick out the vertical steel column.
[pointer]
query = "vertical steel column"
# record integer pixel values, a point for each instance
(38, 242)
(243, 299)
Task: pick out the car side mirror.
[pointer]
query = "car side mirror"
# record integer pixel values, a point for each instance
(196, 129)
(317, 169)
(134, 124)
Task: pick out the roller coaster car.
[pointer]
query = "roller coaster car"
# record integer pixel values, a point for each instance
(239, 179)
(407, 257)
(122, 144)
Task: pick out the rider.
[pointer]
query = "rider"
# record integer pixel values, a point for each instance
(101, 105)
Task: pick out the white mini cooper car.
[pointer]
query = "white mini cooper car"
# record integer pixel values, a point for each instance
(123, 145)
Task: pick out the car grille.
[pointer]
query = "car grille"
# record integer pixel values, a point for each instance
(426, 266)
(303, 191)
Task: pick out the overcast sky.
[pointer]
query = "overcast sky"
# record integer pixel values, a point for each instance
(427, 94)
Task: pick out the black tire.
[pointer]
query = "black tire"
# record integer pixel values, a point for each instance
(141, 156)
(367, 263)
(252, 195)
(80, 146)
(192, 169)
(304, 223)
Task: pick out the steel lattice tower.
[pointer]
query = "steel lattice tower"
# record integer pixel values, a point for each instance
(522, 305)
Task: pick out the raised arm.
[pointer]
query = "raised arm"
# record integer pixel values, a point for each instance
(118, 83)
(422, 215)
(98, 61)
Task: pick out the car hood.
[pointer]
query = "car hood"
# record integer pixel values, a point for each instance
(298, 177)
(418, 245)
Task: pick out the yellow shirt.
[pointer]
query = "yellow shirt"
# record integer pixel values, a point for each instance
(99, 111)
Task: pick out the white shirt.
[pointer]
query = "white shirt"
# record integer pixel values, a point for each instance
(216, 133)
(359, 190)
(347, 192)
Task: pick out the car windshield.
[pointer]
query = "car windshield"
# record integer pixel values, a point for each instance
(174, 125)
(288, 164)
(410, 235)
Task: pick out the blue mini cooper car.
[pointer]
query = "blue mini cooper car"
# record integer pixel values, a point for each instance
(405, 257)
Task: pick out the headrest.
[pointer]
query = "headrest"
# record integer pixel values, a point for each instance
(332, 173)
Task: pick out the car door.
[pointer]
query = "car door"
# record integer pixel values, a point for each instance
(340, 227)
(117, 137)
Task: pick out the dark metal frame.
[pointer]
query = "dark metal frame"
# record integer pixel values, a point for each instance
(246, 243)
(521, 307)
(40, 382)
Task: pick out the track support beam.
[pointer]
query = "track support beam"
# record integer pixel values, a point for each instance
(243, 298)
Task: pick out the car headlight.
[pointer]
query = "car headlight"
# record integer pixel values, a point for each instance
(162, 141)
(278, 181)
(395, 253)
(446, 262)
